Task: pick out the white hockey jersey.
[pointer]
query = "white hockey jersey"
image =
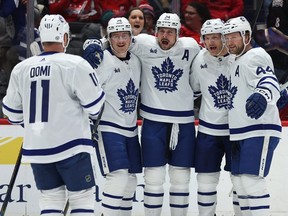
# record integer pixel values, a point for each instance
(166, 93)
(253, 70)
(53, 94)
(120, 81)
(211, 78)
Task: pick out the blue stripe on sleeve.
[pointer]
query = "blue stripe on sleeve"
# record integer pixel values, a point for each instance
(12, 110)
(94, 102)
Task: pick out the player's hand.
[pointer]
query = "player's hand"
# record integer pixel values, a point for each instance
(283, 100)
(256, 105)
(93, 52)
(94, 133)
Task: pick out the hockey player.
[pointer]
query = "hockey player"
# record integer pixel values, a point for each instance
(254, 123)
(211, 78)
(118, 144)
(52, 95)
(167, 109)
(168, 131)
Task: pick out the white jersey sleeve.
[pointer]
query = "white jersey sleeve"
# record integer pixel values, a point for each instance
(53, 94)
(166, 93)
(251, 71)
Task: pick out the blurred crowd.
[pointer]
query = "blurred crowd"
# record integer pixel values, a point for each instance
(89, 19)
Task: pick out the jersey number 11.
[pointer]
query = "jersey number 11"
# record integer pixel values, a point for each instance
(45, 101)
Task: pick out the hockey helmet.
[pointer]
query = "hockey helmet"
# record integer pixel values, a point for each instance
(238, 24)
(168, 20)
(118, 24)
(53, 28)
(212, 26)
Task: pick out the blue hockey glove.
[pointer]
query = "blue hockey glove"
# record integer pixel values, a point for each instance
(283, 100)
(93, 52)
(256, 105)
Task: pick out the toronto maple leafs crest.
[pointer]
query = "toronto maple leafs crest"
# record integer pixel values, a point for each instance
(166, 77)
(223, 93)
(128, 97)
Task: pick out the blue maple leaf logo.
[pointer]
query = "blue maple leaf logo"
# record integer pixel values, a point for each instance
(223, 94)
(166, 78)
(128, 98)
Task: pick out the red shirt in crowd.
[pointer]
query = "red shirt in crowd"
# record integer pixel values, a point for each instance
(76, 10)
(186, 32)
(223, 9)
(121, 6)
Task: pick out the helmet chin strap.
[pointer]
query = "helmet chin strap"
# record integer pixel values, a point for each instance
(223, 45)
(245, 45)
(63, 43)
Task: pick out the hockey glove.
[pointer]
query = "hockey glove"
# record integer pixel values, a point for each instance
(256, 105)
(283, 100)
(93, 52)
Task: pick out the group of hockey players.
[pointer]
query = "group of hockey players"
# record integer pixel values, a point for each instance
(55, 94)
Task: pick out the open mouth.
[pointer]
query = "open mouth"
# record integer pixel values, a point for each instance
(165, 42)
(137, 26)
(212, 48)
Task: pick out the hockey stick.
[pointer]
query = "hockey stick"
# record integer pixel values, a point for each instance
(256, 14)
(11, 183)
(284, 86)
(96, 124)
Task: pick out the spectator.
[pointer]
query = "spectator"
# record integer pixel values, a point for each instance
(223, 9)
(4, 80)
(266, 5)
(21, 49)
(273, 38)
(150, 20)
(17, 10)
(107, 15)
(6, 40)
(7, 33)
(160, 7)
(278, 18)
(195, 15)
(5, 66)
(120, 6)
(136, 19)
(77, 10)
